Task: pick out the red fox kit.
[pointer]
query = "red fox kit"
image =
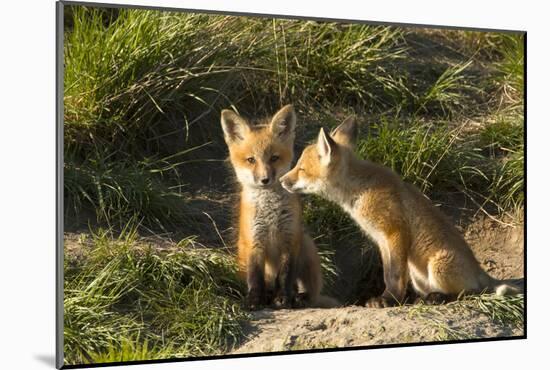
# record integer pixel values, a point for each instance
(416, 241)
(275, 256)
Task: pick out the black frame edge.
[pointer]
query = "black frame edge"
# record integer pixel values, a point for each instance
(59, 222)
(285, 353)
(283, 16)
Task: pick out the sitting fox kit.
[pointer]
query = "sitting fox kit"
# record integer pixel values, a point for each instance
(275, 256)
(417, 243)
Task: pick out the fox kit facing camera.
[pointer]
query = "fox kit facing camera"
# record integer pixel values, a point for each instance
(415, 240)
(275, 256)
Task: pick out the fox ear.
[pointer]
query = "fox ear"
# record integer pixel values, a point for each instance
(346, 133)
(325, 147)
(234, 126)
(283, 122)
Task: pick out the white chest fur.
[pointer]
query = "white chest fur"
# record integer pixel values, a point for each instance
(272, 218)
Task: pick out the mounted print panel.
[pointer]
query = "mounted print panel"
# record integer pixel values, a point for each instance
(239, 184)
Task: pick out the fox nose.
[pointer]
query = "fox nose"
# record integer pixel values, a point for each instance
(265, 180)
(287, 184)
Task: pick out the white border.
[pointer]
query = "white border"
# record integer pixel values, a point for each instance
(27, 185)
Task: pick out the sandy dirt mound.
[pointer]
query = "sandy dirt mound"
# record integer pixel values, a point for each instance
(286, 330)
(499, 249)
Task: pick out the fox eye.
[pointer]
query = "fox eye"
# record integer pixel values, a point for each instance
(274, 158)
(251, 160)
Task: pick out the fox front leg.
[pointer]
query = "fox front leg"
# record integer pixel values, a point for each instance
(256, 279)
(286, 281)
(394, 260)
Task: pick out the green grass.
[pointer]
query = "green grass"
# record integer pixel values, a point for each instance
(510, 77)
(125, 299)
(503, 142)
(427, 155)
(141, 85)
(502, 136)
(447, 91)
(126, 77)
(508, 188)
(152, 189)
(119, 190)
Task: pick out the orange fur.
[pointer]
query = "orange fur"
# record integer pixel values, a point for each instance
(417, 243)
(274, 254)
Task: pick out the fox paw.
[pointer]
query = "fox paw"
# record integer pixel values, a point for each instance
(301, 300)
(381, 302)
(269, 297)
(254, 301)
(282, 301)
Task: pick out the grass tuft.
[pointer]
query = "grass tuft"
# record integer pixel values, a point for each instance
(429, 156)
(447, 91)
(126, 299)
(503, 309)
(510, 77)
(503, 142)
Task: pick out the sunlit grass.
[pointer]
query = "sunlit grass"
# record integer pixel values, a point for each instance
(127, 300)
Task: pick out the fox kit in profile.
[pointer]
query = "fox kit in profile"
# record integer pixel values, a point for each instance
(416, 241)
(275, 256)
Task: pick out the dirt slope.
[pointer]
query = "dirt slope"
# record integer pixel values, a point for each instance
(499, 249)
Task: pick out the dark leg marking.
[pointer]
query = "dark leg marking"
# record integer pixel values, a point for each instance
(287, 279)
(255, 282)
